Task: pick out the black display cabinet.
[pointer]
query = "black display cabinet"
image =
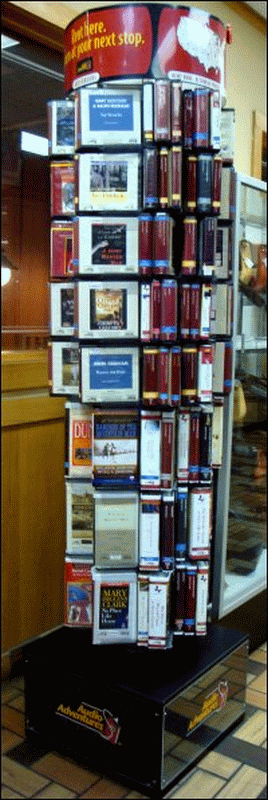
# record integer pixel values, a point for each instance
(142, 717)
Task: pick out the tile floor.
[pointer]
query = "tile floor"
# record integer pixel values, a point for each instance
(236, 768)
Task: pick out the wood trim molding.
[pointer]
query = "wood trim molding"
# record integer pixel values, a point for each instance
(250, 16)
(24, 370)
(259, 132)
(30, 27)
(28, 410)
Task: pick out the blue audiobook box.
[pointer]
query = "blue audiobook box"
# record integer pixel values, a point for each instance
(111, 113)
(111, 371)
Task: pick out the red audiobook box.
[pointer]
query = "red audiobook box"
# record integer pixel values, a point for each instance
(164, 376)
(189, 249)
(190, 599)
(175, 377)
(61, 249)
(148, 111)
(176, 112)
(169, 302)
(185, 310)
(190, 183)
(195, 310)
(161, 110)
(204, 182)
(176, 177)
(180, 598)
(155, 309)
(194, 454)
(163, 177)
(150, 170)
(167, 449)
(162, 243)
(150, 376)
(216, 185)
(145, 244)
(201, 118)
(204, 383)
(62, 188)
(167, 531)
(189, 374)
(187, 118)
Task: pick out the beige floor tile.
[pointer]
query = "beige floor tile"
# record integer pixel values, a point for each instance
(248, 782)
(223, 766)
(18, 702)
(9, 739)
(23, 780)
(8, 692)
(200, 784)
(260, 683)
(65, 772)
(256, 698)
(250, 677)
(13, 720)
(19, 683)
(214, 674)
(258, 655)
(263, 646)
(9, 794)
(264, 744)
(104, 788)
(254, 729)
(133, 795)
(54, 790)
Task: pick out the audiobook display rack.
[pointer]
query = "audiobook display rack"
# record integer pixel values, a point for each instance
(141, 321)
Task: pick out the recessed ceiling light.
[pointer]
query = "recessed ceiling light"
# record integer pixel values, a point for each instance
(6, 41)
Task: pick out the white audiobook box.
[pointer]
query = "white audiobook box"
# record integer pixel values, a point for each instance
(79, 518)
(106, 244)
(62, 309)
(63, 359)
(108, 309)
(108, 181)
(107, 116)
(116, 529)
(109, 374)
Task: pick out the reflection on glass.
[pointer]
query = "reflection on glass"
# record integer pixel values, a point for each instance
(248, 496)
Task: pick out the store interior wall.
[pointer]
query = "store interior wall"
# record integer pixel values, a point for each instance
(245, 67)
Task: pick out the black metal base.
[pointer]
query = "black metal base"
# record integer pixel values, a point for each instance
(142, 717)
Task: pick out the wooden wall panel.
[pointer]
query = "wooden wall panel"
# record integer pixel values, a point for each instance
(35, 231)
(33, 530)
(33, 501)
(24, 299)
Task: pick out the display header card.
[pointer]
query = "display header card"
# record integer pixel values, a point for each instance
(107, 116)
(106, 245)
(109, 374)
(109, 182)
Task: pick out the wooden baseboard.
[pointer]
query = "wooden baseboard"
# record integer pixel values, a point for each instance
(12, 664)
(5, 667)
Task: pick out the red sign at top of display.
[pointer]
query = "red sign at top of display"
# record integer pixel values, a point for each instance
(151, 40)
(192, 42)
(108, 43)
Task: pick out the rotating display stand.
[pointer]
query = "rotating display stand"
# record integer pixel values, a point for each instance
(141, 315)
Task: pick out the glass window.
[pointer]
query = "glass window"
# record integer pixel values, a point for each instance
(31, 75)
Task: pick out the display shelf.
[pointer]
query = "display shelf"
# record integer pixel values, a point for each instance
(247, 586)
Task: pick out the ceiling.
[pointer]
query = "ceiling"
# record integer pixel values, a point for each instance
(259, 8)
(30, 77)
